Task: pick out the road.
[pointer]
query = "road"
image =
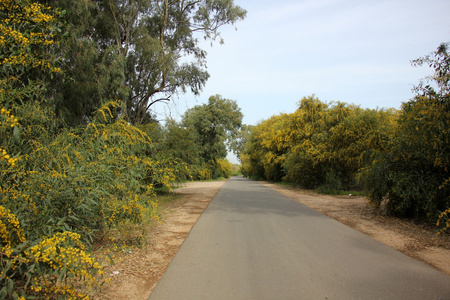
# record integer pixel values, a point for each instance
(254, 243)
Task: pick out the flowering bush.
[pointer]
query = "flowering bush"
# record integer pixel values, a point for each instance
(26, 29)
(223, 168)
(47, 268)
(63, 189)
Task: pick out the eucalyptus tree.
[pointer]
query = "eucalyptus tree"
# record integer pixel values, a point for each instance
(165, 57)
(140, 51)
(92, 71)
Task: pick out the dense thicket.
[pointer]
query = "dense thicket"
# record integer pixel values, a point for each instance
(74, 81)
(319, 145)
(401, 157)
(412, 173)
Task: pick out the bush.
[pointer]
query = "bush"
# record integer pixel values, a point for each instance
(412, 172)
(222, 169)
(62, 191)
(333, 184)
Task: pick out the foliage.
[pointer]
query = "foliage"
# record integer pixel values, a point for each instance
(195, 149)
(223, 169)
(319, 145)
(27, 36)
(138, 52)
(414, 172)
(179, 143)
(401, 157)
(215, 124)
(46, 267)
(58, 186)
(84, 181)
(236, 170)
(209, 129)
(237, 144)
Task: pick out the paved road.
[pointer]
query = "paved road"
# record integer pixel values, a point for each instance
(254, 243)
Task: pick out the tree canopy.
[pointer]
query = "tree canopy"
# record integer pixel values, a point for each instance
(138, 51)
(216, 124)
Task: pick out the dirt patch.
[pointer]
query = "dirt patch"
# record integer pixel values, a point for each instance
(415, 240)
(136, 272)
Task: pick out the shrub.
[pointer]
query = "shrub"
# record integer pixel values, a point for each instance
(47, 266)
(61, 191)
(222, 169)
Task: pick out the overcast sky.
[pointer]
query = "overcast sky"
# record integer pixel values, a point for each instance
(355, 51)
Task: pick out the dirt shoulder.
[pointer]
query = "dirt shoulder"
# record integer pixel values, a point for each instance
(417, 241)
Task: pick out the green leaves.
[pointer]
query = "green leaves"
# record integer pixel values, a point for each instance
(138, 52)
(416, 162)
(214, 124)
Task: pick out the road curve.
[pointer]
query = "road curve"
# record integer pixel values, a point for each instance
(254, 243)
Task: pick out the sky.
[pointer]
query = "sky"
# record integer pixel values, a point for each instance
(353, 51)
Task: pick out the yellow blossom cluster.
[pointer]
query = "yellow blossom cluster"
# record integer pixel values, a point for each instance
(8, 119)
(105, 111)
(34, 12)
(204, 174)
(64, 251)
(35, 25)
(5, 156)
(162, 172)
(118, 210)
(444, 221)
(11, 233)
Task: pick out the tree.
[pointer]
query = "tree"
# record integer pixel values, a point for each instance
(138, 51)
(93, 71)
(237, 145)
(163, 40)
(179, 143)
(318, 146)
(216, 124)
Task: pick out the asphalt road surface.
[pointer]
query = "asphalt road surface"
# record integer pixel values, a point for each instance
(254, 243)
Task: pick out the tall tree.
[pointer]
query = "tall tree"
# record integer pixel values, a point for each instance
(138, 51)
(216, 124)
(237, 145)
(163, 39)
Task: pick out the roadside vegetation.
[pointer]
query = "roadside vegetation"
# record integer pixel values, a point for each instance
(84, 161)
(401, 158)
(82, 158)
